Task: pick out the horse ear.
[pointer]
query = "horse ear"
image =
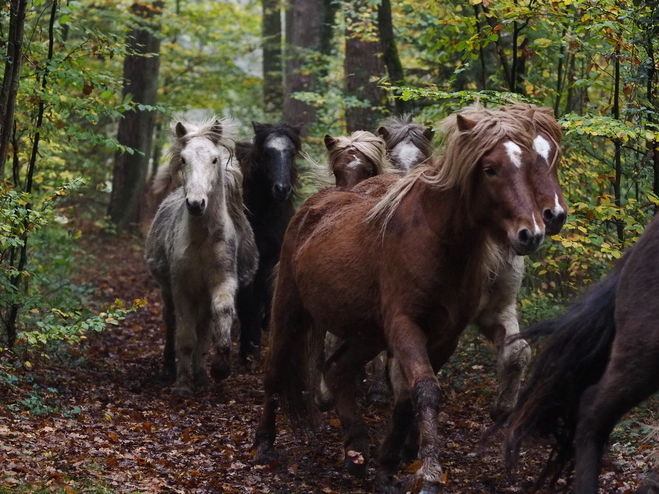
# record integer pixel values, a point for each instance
(383, 132)
(330, 142)
(216, 131)
(428, 133)
(256, 126)
(465, 124)
(180, 130)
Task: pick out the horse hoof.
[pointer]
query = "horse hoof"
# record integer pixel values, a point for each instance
(219, 371)
(355, 464)
(202, 384)
(377, 397)
(429, 488)
(181, 392)
(264, 454)
(324, 405)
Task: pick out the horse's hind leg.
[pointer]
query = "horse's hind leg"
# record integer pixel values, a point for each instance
(340, 376)
(169, 316)
(630, 377)
(378, 391)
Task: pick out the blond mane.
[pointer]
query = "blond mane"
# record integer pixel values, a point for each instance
(461, 154)
(370, 145)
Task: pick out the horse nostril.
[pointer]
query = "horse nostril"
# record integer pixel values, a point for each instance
(560, 218)
(548, 215)
(524, 236)
(196, 208)
(282, 190)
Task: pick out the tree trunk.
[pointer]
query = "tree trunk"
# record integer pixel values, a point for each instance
(304, 20)
(390, 51)
(136, 128)
(11, 78)
(273, 77)
(362, 63)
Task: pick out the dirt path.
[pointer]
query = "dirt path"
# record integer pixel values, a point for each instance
(114, 426)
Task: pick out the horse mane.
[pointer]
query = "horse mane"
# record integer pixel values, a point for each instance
(462, 152)
(544, 120)
(370, 145)
(400, 127)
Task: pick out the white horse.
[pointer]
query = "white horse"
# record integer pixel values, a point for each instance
(200, 248)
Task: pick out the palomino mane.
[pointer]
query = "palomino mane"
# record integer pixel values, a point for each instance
(370, 145)
(401, 127)
(462, 152)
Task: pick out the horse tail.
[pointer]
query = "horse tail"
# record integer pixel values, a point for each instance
(574, 357)
(293, 344)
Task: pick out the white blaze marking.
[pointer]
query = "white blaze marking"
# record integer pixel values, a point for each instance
(408, 155)
(514, 153)
(354, 163)
(536, 228)
(279, 143)
(542, 147)
(558, 209)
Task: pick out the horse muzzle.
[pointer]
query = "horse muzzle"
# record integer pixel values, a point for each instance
(526, 242)
(196, 207)
(281, 191)
(554, 221)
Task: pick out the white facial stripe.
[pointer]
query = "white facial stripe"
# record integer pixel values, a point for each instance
(279, 143)
(558, 209)
(536, 229)
(514, 153)
(354, 163)
(407, 155)
(542, 147)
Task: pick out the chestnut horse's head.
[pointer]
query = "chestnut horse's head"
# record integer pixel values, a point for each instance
(491, 157)
(547, 145)
(197, 157)
(355, 158)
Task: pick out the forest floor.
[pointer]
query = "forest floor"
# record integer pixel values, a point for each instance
(99, 418)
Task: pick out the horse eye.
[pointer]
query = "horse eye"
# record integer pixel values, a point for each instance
(183, 160)
(215, 161)
(490, 172)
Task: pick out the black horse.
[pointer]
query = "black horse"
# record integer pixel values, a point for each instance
(599, 360)
(269, 185)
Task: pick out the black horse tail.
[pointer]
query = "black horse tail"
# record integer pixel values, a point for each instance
(573, 358)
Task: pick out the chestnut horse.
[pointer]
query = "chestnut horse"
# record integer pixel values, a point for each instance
(600, 359)
(404, 272)
(356, 157)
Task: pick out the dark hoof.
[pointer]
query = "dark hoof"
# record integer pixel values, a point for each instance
(498, 413)
(355, 464)
(377, 397)
(388, 484)
(324, 405)
(181, 392)
(264, 454)
(220, 373)
(429, 488)
(202, 383)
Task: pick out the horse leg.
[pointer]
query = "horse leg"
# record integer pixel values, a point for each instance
(340, 375)
(379, 392)
(223, 297)
(250, 332)
(199, 374)
(323, 395)
(288, 326)
(169, 316)
(186, 343)
(408, 344)
(249, 317)
(514, 356)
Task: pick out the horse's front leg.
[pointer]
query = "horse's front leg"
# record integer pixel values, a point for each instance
(169, 316)
(514, 355)
(223, 297)
(186, 343)
(408, 344)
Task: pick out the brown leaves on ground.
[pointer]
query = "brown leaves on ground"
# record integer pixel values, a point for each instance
(117, 426)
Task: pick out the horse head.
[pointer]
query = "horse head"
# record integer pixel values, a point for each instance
(547, 145)
(355, 158)
(196, 159)
(498, 185)
(408, 143)
(276, 147)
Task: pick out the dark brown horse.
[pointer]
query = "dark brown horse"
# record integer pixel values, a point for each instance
(600, 359)
(404, 272)
(355, 158)
(270, 180)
